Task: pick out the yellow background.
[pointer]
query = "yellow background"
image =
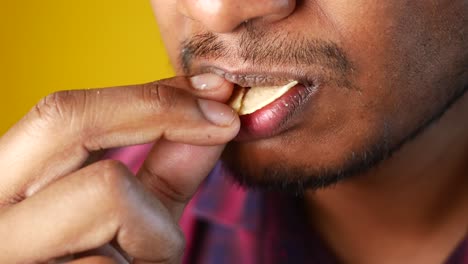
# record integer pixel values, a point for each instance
(49, 45)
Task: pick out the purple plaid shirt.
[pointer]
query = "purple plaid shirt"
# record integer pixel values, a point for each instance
(225, 224)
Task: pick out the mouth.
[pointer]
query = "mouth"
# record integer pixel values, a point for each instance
(267, 102)
(251, 78)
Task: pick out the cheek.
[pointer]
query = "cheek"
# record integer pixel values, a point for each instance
(380, 40)
(388, 100)
(171, 26)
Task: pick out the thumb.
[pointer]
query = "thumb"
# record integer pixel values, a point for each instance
(173, 172)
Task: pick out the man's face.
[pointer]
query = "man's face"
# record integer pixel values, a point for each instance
(377, 72)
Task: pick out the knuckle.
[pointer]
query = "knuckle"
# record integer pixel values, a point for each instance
(159, 97)
(158, 184)
(178, 243)
(94, 260)
(59, 106)
(113, 179)
(173, 246)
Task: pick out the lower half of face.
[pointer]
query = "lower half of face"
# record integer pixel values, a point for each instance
(406, 61)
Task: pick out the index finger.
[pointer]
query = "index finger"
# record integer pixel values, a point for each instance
(56, 137)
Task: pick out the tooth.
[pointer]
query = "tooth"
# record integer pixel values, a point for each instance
(256, 98)
(236, 99)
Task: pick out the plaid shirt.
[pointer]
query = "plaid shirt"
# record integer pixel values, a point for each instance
(225, 223)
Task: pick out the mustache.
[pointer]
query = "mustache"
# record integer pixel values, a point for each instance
(262, 48)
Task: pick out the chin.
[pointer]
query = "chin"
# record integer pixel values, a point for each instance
(276, 169)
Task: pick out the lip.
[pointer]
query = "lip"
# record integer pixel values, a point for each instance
(252, 78)
(277, 117)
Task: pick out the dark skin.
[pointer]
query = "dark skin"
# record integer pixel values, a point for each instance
(407, 61)
(392, 124)
(57, 204)
(391, 79)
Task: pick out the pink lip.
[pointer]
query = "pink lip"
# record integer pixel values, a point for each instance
(275, 118)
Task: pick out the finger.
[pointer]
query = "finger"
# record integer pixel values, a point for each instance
(207, 86)
(108, 251)
(173, 172)
(96, 205)
(57, 136)
(95, 260)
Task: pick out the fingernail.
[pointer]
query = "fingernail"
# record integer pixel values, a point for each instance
(206, 81)
(217, 113)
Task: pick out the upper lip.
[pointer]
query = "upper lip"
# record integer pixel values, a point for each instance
(246, 78)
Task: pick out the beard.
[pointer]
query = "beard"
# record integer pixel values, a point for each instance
(296, 180)
(269, 49)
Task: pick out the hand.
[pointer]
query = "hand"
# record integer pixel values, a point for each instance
(52, 205)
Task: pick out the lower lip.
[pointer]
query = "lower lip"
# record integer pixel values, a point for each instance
(275, 117)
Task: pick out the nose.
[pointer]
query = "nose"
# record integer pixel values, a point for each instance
(225, 15)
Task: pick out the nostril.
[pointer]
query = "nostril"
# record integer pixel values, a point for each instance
(223, 16)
